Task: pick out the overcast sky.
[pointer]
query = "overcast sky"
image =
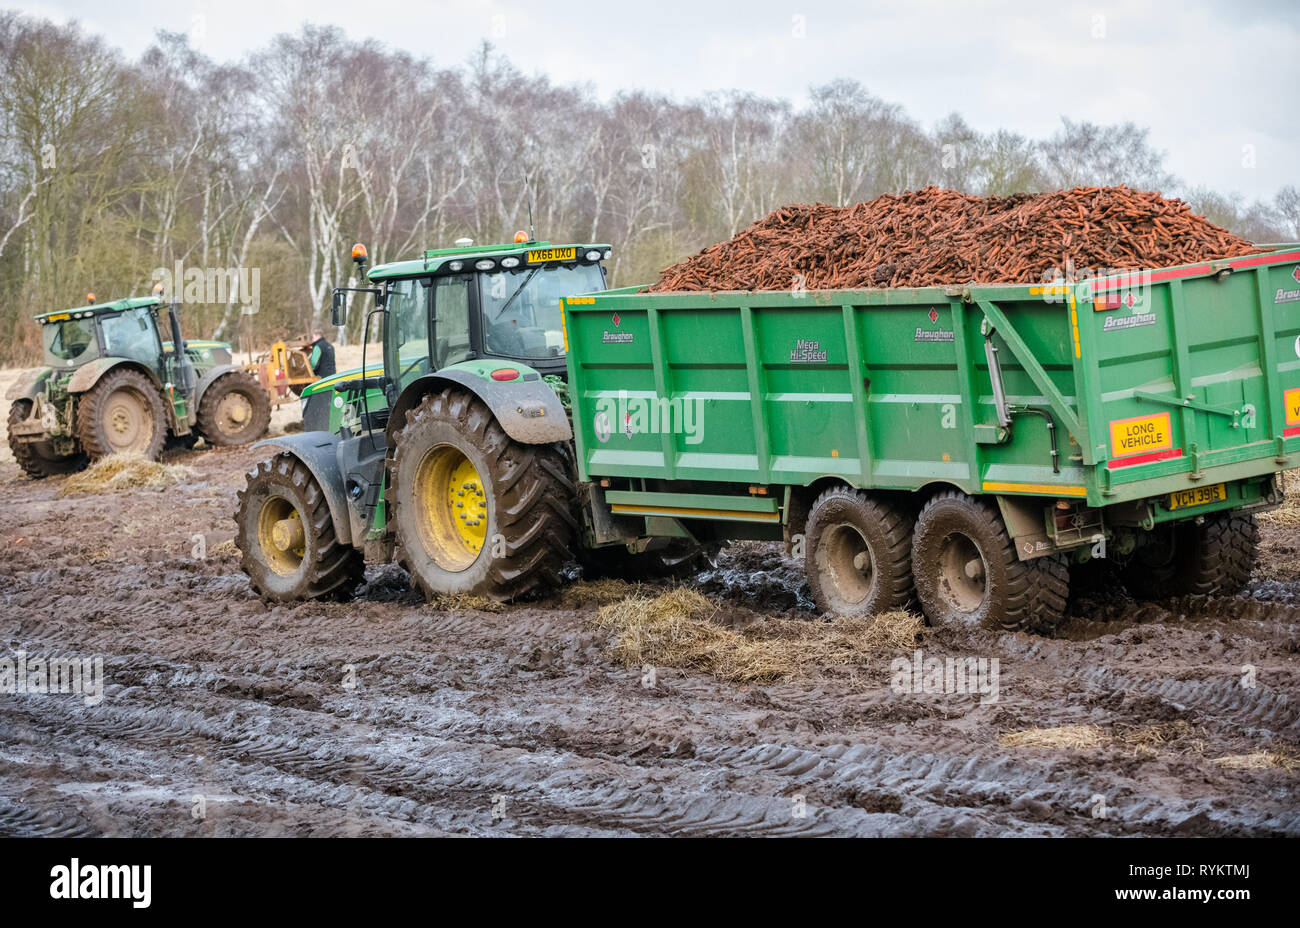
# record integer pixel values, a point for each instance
(1217, 83)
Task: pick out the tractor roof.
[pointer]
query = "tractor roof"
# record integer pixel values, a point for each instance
(529, 253)
(98, 309)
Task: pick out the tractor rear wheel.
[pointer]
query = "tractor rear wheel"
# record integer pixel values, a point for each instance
(234, 410)
(1213, 558)
(37, 459)
(475, 511)
(858, 554)
(968, 573)
(286, 536)
(122, 414)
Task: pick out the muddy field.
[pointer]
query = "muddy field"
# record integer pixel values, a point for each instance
(386, 716)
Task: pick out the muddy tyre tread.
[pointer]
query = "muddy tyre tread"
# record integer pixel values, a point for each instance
(337, 569)
(534, 500)
(893, 560)
(32, 462)
(1036, 591)
(212, 396)
(89, 413)
(1215, 558)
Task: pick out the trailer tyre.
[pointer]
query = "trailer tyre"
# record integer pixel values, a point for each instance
(37, 459)
(968, 573)
(234, 410)
(1213, 558)
(286, 536)
(858, 554)
(122, 414)
(474, 511)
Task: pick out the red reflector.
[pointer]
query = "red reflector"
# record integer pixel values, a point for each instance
(505, 373)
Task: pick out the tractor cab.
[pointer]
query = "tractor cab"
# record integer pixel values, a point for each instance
(120, 329)
(498, 301)
(468, 303)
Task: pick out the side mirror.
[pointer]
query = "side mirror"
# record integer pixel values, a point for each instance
(339, 311)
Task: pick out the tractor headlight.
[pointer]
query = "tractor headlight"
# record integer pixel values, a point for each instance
(593, 255)
(510, 262)
(608, 252)
(486, 264)
(455, 265)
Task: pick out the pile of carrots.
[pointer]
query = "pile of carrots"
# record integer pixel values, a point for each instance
(938, 237)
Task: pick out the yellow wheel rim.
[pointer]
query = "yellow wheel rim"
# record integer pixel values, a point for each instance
(451, 508)
(280, 536)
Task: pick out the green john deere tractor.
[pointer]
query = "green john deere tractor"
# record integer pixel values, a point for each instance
(112, 385)
(452, 454)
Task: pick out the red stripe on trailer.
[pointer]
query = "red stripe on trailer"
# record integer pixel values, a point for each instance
(1154, 277)
(1292, 432)
(1257, 260)
(1145, 458)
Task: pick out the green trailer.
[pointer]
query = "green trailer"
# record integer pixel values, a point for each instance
(968, 447)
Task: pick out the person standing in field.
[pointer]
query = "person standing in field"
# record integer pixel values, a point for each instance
(322, 356)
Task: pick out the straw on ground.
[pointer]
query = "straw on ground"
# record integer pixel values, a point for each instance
(119, 472)
(678, 628)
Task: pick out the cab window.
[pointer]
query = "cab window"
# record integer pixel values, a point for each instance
(409, 318)
(70, 342)
(131, 334)
(451, 341)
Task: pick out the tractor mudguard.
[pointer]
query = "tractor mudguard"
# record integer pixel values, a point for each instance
(207, 380)
(90, 374)
(528, 410)
(319, 451)
(27, 386)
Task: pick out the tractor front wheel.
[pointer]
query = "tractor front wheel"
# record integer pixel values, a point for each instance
(234, 410)
(37, 459)
(475, 511)
(286, 536)
(122, 414)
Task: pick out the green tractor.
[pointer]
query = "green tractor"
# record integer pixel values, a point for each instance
(454, 456)
(112, 385)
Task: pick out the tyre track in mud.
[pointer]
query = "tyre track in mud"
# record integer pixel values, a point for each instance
(519, 723)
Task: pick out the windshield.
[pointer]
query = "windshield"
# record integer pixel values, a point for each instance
(521, 308)
(70, 342)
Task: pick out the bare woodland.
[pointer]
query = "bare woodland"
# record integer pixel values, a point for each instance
(111, 168)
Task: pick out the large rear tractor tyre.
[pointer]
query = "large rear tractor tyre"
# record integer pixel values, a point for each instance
(1213, 558)
(122, 414)
(37, 459)
(234, 410)
(968, 573)
(286, 536)
(474, 511)
(858, 554)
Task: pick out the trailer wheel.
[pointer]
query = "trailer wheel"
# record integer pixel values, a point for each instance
(37, 459)
(967, 571)
(475, 511)
(286, 536)
(234, 410)
(858, 554)
(1213, 558)
(121, 414)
